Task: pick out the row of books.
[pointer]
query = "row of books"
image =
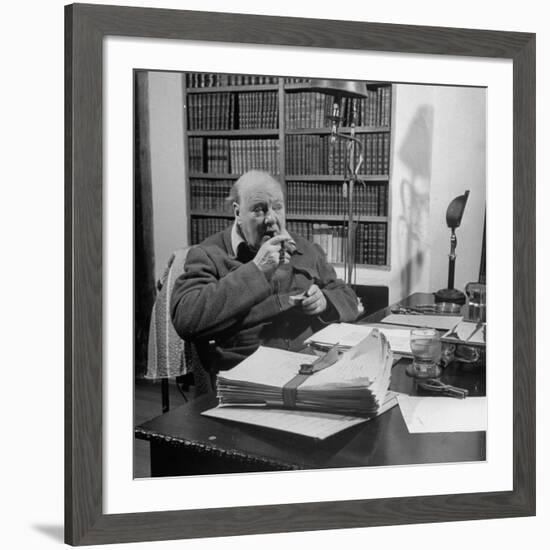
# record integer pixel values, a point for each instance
(371, 243)
(214, 111)
(295, 80)
(246, 110)
(208, 80)
(236, 156)
(258, 110)
(229, 111)
(195, 149)
(314, 154)
(303, 197)
(306, 197)
(305, 155)
(210, 195)
(205, 226)
(369, 240)
(312, 109)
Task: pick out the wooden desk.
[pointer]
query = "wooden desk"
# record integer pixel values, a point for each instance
(185, 443)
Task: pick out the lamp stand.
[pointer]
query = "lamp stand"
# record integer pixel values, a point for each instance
(350, 179)
(451, 294)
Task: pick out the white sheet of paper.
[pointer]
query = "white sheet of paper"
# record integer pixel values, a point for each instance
(284, 365)
(441, 322)
(348, 335)
(443, 414)
(313, 424)
(469, 332)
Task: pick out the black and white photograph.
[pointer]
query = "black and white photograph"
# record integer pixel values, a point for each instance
(246, 256)
(309, 273)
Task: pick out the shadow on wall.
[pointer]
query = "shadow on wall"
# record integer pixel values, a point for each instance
(416, 154)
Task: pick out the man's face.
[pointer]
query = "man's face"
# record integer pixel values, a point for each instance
(261, 212)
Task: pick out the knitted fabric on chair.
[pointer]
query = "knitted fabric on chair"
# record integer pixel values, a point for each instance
(168, 355)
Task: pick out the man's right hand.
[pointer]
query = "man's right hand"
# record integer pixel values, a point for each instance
(269, 256)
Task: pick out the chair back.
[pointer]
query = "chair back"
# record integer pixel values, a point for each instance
(168, 356)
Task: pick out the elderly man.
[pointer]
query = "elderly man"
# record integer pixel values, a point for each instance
(255, 284)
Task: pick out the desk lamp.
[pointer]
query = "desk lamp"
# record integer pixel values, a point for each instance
(339, 89)
(455, 211)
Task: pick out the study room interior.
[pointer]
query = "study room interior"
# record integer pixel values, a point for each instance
(387, 182)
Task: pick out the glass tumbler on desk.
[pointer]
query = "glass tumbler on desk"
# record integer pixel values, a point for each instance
(426, 350)
(477, 302)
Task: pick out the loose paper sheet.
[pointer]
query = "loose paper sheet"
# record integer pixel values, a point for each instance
(469, 332)
(313, 424)
(441, 322)
(348, 335)
(443, 414)
(283, 366)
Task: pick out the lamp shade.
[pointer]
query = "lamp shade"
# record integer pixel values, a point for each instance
(455, 210)
(339, 88)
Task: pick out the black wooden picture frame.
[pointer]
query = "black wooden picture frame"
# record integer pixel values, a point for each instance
(85, 28)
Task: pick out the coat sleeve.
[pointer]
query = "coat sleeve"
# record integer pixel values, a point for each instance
(203, 304)
(342, 300)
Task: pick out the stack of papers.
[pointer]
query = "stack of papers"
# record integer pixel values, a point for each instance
(318, 425)
(356, 384)
(347, 335)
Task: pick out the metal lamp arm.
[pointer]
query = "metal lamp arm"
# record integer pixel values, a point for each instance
(355, 170)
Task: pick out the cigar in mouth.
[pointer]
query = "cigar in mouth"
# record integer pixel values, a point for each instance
(282, 254)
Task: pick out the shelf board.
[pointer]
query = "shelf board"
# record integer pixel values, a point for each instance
(306, 86)
(212, 214)
(236, 88)
(338, 178)
(334, 217)
(343, 129)
(384, 267)
(235, 133)
(208, 176)
(293, 177)
(300, 217)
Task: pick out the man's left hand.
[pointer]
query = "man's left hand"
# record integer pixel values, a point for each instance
(315, 302)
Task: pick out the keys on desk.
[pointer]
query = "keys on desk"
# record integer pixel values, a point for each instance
(435, 385)
(418, 310)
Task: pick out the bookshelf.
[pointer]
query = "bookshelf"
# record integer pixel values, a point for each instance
(234, 123)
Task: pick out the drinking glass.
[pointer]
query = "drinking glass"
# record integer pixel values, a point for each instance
(477, 302)
(426, 350)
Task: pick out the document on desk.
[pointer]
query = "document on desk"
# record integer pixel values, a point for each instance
(354, 384)
(317, 425)
(466, 332)
(441, 322)
(347, 335)
(443, 414)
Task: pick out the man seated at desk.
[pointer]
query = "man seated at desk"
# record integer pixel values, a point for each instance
(235, 293)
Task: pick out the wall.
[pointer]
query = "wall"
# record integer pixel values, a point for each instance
(167, 165)
(459, 163)
(438, 151)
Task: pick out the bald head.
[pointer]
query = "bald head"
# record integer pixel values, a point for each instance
(250, 180)
(259, 206)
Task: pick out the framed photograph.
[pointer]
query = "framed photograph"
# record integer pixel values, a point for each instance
(368, 177)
